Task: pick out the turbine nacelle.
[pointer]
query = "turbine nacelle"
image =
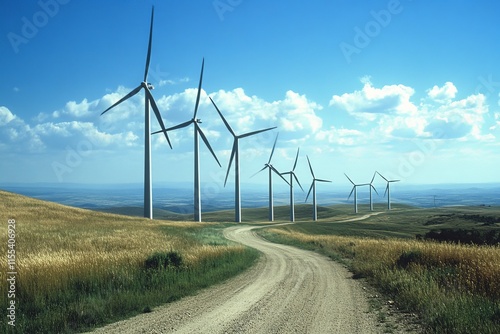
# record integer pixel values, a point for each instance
(147, 85)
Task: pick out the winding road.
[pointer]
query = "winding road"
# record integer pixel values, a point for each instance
(289, 290)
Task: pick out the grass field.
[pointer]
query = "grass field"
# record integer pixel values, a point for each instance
(77, 269)
(453, 288)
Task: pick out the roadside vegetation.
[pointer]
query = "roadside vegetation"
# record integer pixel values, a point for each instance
(453, 287)
(79, 269)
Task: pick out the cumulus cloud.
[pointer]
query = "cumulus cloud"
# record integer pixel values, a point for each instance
(16, 135)
(342, 136)
(443, 94)
(396, 116)
(370, 102)
(5, 115)
(295, 113)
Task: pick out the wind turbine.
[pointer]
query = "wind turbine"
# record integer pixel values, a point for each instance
(388, 190)
(371, 186)
(149, 100)
(355, 190)
(197, 131)
(271, 169)
(235, 154)
(313, 188)
(292, 176)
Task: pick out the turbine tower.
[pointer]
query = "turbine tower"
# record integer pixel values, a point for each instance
(235, 154)
(149, 100)
(313, 189)
(292, 176)
(272, 170)
(197, 132)
(355, 190)
(388, 190)
(371, 186)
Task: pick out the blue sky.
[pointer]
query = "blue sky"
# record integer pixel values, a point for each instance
(408, 88)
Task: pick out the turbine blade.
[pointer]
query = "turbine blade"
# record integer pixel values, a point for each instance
(149, 45)
(199, 89)
(233, 152)
(296, 179)
(386, 189)
(272, 151)
(349, 178)
(198, 129)
(374, 188)
(182, 125)
(223, 118)
(158, 115)
(394, 181)
(321, 180)
(373, 178)
(296, 158)
(259, 171)
(255, 132)
(132, 93)
(309, 192)
(352, 190)
(281, 175)
(310, 167)
(382, 176)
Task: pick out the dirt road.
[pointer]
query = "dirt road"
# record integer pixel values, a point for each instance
(288, 291)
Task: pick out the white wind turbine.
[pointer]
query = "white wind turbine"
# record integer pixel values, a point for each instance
(235, 154)
(355, 190)
(272, 170)
(388, 190)
(371, 186)
(313, 189)
(149, 100)
(292, 176)
(197, 132)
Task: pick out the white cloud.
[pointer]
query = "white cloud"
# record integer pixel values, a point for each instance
(81, 109)
(5, 115)
(295, 113)
(397, 116)
(443, 94)
(341, 136)
(16, 135)
(370, 101)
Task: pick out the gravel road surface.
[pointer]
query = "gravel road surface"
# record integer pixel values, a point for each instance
(289, 290)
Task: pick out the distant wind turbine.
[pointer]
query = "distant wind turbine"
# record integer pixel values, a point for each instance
(388, 190)
(272, 170)
(371, 186)
(355, 190)
(149, 100)
(235, 154)
(292, 176)
(313, 189)
(197, 132)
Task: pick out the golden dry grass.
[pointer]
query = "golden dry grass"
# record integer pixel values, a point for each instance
(58, 245)
(473, 269)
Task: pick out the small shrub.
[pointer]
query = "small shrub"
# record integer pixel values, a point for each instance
(159, 260)
(409, 257)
